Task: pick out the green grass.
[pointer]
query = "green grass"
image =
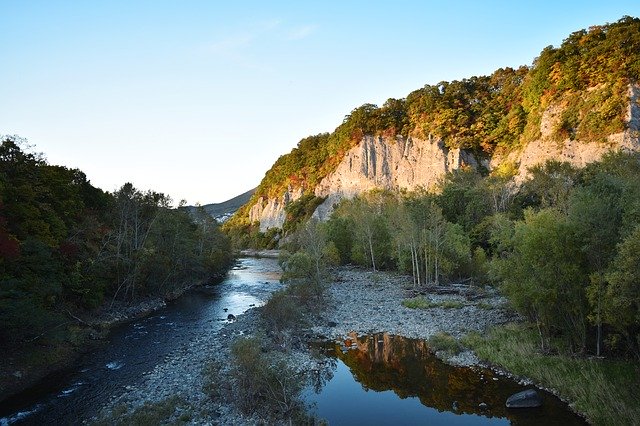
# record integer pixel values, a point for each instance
(445, 342)
(421, 302)
(150, 414)
(451, 304)
(485, 306)
(605, 391)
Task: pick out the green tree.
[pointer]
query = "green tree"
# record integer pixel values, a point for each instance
(371, 232)
(549, 185)
(596, 212)
(340, 231)
(543, 277)
(622, 301)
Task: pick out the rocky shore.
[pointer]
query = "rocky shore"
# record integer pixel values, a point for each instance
(365, 302)
(358, 301)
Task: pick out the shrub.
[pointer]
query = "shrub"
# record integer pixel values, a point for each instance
(297, 267)
(265, 383)
(281, 314)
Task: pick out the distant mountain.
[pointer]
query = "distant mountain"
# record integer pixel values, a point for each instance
(222, 211)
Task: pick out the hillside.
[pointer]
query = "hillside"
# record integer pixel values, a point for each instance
(574, 103)
(222, 211)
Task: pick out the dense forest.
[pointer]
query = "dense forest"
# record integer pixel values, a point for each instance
(588, 77)
(68, 248)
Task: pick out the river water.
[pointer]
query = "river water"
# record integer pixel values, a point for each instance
(135, 348)
(382, 379)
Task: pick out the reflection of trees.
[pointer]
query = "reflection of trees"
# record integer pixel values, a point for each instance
(383, 362)
(320, 377)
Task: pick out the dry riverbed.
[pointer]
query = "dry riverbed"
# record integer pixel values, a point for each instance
(358, 301)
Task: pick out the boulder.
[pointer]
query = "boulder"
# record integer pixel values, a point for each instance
(525, 399)
(231, 317)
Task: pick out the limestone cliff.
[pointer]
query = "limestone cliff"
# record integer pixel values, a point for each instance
(270, 212)
(393, 164)
(376, 162)
(411, 163)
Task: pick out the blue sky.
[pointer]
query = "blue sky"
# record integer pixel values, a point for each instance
(197, 99)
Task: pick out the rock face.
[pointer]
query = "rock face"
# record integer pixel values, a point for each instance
(376, 162)
(410, 163)
(389, 164)
(270, 211)
(525, 399)
(578, 153)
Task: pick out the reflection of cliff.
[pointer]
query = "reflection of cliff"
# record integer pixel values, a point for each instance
(383, 362)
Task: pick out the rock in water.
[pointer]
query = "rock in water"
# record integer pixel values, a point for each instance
(231, 317)
(525, 399)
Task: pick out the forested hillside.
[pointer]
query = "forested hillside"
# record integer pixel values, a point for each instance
(586, 79)
(68, 248)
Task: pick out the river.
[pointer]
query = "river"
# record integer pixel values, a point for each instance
(383, 379)
(135, 348)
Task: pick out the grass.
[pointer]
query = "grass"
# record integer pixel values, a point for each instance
(421, 302)
(605, 391)
(445, 342)
(485, 306)
(172, 410)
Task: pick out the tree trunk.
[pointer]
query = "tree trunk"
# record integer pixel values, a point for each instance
(373, 260)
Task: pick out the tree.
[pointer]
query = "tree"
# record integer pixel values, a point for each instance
(313, 240)
(549, 185)
(372, 237)
(622, 301)
(438, 246)
(340, 230)
(544, 274)
(596, 212)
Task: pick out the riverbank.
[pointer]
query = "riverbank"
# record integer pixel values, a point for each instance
(357, 301)
(604, 390)
(26, 367)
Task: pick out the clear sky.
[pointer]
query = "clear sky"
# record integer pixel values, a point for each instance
(197, 99)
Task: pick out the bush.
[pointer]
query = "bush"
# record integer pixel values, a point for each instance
(297, 267)
(282, 313)
(265, 383)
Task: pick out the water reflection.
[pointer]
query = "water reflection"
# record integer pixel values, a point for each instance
(398, 379)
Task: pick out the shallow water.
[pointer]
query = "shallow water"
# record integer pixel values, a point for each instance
(131, 350)
(383, 379)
